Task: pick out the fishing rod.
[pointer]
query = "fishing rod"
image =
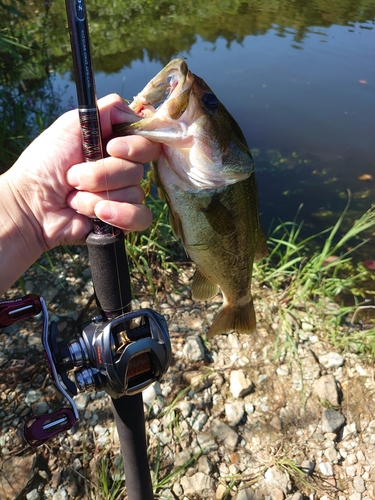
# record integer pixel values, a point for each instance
(110, 273)
(121, 351)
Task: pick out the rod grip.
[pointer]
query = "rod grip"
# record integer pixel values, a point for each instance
(110, 272)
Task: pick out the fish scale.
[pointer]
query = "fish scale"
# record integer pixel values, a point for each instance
(206, 172)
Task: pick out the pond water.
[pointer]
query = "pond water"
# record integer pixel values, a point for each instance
(303, 94)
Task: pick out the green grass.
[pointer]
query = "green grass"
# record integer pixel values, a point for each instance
(150, 252)
(105, 481)
(310, 276)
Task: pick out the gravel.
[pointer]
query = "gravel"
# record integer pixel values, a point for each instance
(235, 417)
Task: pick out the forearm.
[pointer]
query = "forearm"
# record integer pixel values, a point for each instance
(19, 244)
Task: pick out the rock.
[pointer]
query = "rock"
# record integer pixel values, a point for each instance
(331, 454)
(234, 412)
(359, 484)
(193, 349)
(332, 420)
(326, 389)
(246, 494)
(166, 495)
(355, 496)
(351, 458)
(349, 431)
(311, 369)
(331, 360)
(182, 458)
(249, 408)
(205, 443)
(220, 492)
(60, 494)
(224, 470)
(277, 494)
(151, 393)
(361, 370)
(56, 479)
(100, 430)
(307, 327)
(73, 490)
(326, 469)
(77, 464)
(197, 420)
(205, 465)
(33, 495)
(49, 294)
(32, 396)
(275, 478)
(330, 436)
(40, 408)
(224, 433)
(21, 470)
(186, 408)
(202, 419)
(177, 490)
(200, 484)
(240, 384)
(283, 370)
(307, 467)
(82, 400)
(276, 423)
(351, 471)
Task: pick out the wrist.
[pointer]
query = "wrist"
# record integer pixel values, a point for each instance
(21, 241)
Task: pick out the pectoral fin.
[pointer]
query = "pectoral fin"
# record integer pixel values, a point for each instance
(176, 225)
(202, 288)
(156, 179)
(219, 217)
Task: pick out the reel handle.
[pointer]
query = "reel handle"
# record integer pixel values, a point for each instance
(40, 428)
(15, 310)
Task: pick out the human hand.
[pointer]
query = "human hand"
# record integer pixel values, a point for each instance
(58, 193)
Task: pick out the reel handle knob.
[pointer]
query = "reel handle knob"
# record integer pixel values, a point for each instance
(18, 309)
(40, 428)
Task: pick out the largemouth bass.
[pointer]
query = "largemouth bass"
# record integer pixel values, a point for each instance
(207, 175)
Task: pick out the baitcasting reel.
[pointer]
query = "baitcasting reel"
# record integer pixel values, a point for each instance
(121, 357)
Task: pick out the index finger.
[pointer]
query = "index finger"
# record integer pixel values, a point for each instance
(134, 148)
(113, 110)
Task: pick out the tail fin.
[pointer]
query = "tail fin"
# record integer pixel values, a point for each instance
(240, 318)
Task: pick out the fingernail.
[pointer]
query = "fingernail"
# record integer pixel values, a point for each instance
(73, 176)
(73, 201)
(118, 147)
(104, 211)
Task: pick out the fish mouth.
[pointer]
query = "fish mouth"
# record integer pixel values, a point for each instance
(172, 85)
(202, 146)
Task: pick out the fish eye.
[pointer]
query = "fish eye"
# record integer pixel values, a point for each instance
(210, 100)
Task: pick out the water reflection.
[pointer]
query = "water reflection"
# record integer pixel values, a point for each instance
(305, 113)
(297, 75)
(157, 30)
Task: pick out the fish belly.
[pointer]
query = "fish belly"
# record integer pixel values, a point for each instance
(220, 232)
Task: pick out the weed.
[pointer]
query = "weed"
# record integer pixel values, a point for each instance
(167, 481)
(148, 256)
(305, 274)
